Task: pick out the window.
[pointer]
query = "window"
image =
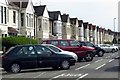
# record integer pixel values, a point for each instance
(39, 50)
(5, 35)
(43, 50)
(64, 43)
(1, 14)
(90, 44)
(27, 20)
(82, 43)
(54, 43)
(5, 14)
(2, 35)
(27, 51)
(74, 43)
(14, 17)
(22, 19)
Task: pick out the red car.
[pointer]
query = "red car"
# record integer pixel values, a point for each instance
(71, 45)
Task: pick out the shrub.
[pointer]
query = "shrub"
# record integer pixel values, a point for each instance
(108, 42)
(12, 41)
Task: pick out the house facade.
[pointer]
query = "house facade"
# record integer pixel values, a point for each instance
(57, 23)
(80, 30)
(3, 18)
(66, 29)
(23, 17)
(86, 31)
(42, 28)
(74, 28)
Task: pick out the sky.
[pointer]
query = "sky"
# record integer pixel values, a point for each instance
(96, 12)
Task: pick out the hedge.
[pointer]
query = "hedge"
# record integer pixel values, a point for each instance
(12, 41)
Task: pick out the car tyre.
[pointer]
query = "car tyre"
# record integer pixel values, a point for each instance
(89, 56)
(113, 50)
(100, 53)
(15, 68)
(65, 64)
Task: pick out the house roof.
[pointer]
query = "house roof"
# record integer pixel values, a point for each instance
(54, 14)
(85, 25)
(64, 17)
(80, 22)
(39, 10)
(90, 26)
(16, 3)
(73, 20)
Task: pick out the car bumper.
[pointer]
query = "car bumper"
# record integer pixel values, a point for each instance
(72, 62)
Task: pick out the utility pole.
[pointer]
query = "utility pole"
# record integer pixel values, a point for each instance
(114, 39)
(19, 23)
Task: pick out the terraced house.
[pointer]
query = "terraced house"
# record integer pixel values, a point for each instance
(80, 31)
(20, 17)
(66, 29)
(74, 28)
(57, 23)
(42, 22)
(3, 18)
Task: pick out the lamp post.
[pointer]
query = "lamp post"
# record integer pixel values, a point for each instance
(114, 39)
(114, 23)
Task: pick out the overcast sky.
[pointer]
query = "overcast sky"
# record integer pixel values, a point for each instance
(97, 12)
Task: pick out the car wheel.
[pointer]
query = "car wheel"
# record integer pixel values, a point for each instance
(15, 68)
(65, 64)
(113, 50)
(88, 57)
(100, 53)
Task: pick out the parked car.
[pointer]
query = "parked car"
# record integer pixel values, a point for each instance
(73, 46)
(34, 56)
(58, 50)
(99, 51)
(117, 46)
(107, 48)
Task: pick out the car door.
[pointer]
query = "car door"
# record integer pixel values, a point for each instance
(106, 48)
(46, 58)
(76, 48)
(27, 57)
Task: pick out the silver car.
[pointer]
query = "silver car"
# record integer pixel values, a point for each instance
(56, 49)
(107, 47)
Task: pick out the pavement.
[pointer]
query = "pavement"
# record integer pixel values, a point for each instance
(103, 68)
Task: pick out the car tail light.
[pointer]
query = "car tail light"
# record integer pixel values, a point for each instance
(4, 58)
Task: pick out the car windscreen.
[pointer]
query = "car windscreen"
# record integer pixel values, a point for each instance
(54, 48)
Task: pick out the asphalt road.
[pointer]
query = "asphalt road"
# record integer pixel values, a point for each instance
(105, 68)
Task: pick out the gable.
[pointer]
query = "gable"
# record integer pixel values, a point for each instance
(59, 18)
(30, 8)
(3, 3)
(45, 14)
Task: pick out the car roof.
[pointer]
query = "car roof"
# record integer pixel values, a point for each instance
(58, 39)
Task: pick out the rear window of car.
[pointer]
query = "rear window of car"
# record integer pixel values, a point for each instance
(9, 50)
(54, 42)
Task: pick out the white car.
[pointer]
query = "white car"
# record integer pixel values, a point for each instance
(107, 47)
(56, 49)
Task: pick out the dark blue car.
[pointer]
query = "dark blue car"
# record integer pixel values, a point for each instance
(34, 56)
(99, 51)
